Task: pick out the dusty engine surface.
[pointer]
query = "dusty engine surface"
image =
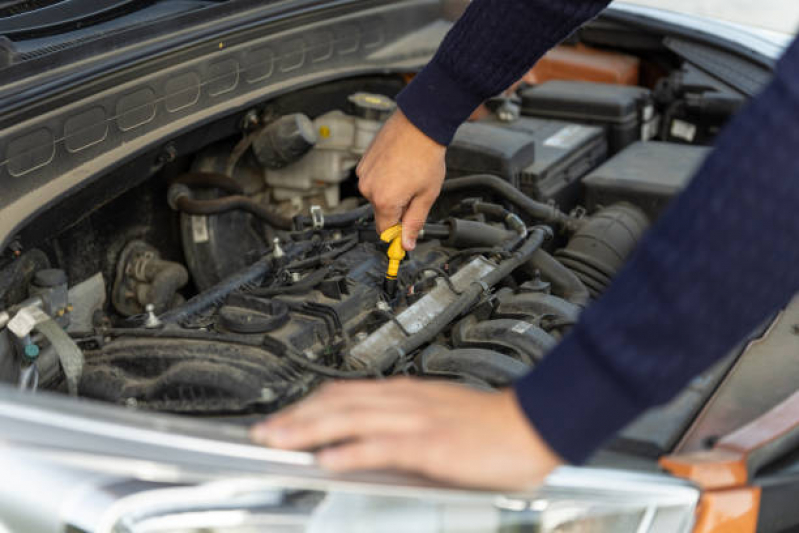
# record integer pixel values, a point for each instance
(279, 278)
(480, 301)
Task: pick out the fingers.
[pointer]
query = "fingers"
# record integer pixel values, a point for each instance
(341, 412)
(372, 454)
(392, 394)
(414, 218)
(339, 426)
(401, 175)
(388, 212)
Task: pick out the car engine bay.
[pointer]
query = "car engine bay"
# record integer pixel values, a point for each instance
(237, 280)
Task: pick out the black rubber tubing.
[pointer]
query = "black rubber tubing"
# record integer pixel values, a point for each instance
(211, 180)
(219, 292)
(337, 220)
(538, 211)
(535, 210)
(167, 278)
(226, 204)
(565, 283)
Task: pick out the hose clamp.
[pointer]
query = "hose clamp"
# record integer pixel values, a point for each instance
(483, 285)
(317, 217)
(175, 193)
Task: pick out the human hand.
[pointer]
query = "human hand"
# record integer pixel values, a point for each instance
(446, 432)
(401, 175)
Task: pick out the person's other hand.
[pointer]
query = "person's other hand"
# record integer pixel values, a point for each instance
(401, 175)
(446, 432)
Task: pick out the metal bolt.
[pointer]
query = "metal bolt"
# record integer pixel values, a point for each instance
(152, 321)
(268, 395)
(250, 120)
(278, 252)
(168, 155)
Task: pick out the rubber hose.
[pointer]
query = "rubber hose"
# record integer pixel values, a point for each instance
(219, 292)
(470, 234)
(565, 283)
(170, 334)
(226, 204)
(211, 180)
(319, 260)
(463, 303)
(492, 210)
(337, 220)
(535, 210)
(167, 278)
(304, 285)
(325, 371)
(435, 231)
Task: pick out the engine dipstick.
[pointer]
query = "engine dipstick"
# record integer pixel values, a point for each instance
(396, 253)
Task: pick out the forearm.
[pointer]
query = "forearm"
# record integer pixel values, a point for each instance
(720, 260)
(493, 44)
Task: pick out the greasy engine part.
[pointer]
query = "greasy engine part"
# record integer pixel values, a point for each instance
(309, 301)
(545, 310)
(183, 375)
(529, 208)
(17, 275)
(598, 250)
(425, 319)
(220, 245)
(519, 339)
(143, 279)
(472, 365)
(563, 281)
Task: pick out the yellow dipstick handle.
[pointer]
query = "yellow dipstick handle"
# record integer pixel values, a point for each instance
(396, 253)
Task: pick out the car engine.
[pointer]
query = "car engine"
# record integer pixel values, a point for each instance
(260, 274)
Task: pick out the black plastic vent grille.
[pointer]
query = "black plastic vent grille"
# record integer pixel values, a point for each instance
(9, 8)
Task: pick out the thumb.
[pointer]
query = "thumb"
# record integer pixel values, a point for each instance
(414, 219)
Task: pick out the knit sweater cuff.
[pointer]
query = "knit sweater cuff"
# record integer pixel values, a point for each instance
(574, 403)
(437, 104)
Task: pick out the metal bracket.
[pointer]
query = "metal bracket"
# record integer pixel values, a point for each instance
(317, 217)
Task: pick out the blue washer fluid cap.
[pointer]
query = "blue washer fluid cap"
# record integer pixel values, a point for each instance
(31, 351)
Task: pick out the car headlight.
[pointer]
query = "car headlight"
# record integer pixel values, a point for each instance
(573, 500)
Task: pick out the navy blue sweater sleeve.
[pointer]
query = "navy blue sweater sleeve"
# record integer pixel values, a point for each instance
(721, 259)
(491, 47)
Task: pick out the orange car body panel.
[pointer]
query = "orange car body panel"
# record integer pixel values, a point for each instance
(728, 511)
(583, 63)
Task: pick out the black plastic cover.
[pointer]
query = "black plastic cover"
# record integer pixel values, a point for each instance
(564, 153)
(625, 110)
(544, 158)
(647, 174)
(490, 148)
